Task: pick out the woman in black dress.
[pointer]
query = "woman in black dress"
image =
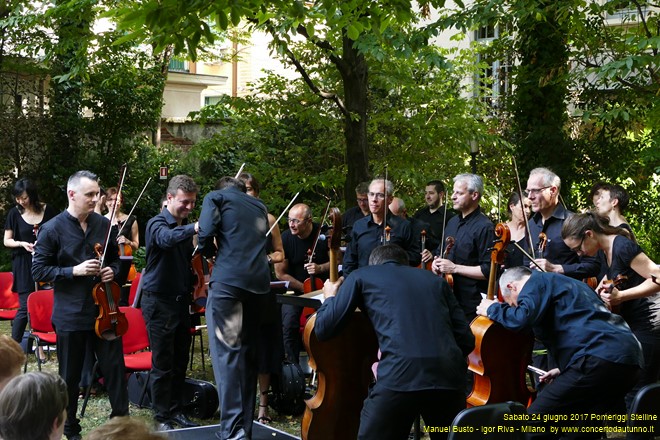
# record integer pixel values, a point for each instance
(21, 231)
(637, 297)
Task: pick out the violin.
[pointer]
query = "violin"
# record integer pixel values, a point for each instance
(428, 265)
(126, 252)
(111, 323)
(500, 357)
(202, 270)
(543, 243)
(608, 286)
(449, 243)
(312, 283)
(343, 367)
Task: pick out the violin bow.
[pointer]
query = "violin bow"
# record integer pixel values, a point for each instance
(282, 215)
(240, 170)
(521, 195)
(387, 208)
(113, 212)
(318, 234)
(134, 205)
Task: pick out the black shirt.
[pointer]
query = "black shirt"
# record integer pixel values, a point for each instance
(62, 244)
(422, 333)
(295, 251)
(169, 251)
(556, 252)
(349, 217)
(239, 223)
(473, 237)
(437, 222)
(367, 235)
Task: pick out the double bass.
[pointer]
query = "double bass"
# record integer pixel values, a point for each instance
(343, 366)
(500, 356)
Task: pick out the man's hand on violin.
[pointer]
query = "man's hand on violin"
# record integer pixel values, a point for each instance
(107, 274)
(482, 308)
(442, 265)
(330, 288)
(612, 298)
(543, 264)
(426, 256)
(88, 268)
(312, 268)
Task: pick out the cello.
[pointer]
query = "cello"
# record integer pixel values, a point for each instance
(500, 356)
(343, 365)
(202, 270)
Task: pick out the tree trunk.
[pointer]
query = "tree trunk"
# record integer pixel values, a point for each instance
(355, 124)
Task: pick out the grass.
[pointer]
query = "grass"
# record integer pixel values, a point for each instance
(98, 407)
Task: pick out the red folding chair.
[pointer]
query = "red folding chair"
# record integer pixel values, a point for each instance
(135, 344)
(8, 298)
(40, 310)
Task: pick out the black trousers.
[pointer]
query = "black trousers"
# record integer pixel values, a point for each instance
(291, 332)
(389, 415)
(71, 349)
(168, 325)
(232, 316)
(590, 386)
(20, 321)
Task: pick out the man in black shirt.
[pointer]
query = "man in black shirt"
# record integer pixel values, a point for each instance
(166, 287)
(298, 240)
(434, 214)
(370, 232)
(422, 369)
(239, 284)
(468, 260)
(356, 212)
(65, 253)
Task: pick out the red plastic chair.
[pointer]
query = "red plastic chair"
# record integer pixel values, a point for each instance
(8, 298)
(135, 344)
(40, 310)
(134, 287)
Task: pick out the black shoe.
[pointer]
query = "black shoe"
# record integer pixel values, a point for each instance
(165, 426)
(183, 421)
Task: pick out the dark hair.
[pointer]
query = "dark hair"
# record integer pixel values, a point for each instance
(29, 405)
(439, 186)
(183, 183)
(30, 189)
(388, 252)
(362, 188)
(514, 199)
(596, 187)
(619, 193)
(576, 225)
(230, 182)
(249, 179)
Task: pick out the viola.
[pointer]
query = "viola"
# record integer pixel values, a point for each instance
(202, 270)
(126, 252)
(500, 357)
(543, 243)
(608, 286)
(111, 323)
(343, 367)
(428, 265)
(449, 243)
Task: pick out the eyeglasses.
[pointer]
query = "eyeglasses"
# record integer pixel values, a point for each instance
(531, 191)
(362, 200)
(295, 221)
(578, 248)
(380, 196)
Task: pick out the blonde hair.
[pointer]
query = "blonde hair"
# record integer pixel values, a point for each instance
(12, 358)
(124, 428)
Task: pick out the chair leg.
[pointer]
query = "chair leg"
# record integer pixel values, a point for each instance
(201, 348)
(88, 390)
(144, 389)
(192, 349)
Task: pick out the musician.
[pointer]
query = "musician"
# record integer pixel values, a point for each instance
(434, 214)
(594, 191)
(369, 233)
(21, 229)
(543, 187)
(240, 282)
(398, 208)
(637, 297)
(612, 202)
(166, 287)
(473, 232)
(519, 211)
(301, 237)
(127, 233)
(414, 377)
(356, 212)
(597, 355)
(65, 253)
